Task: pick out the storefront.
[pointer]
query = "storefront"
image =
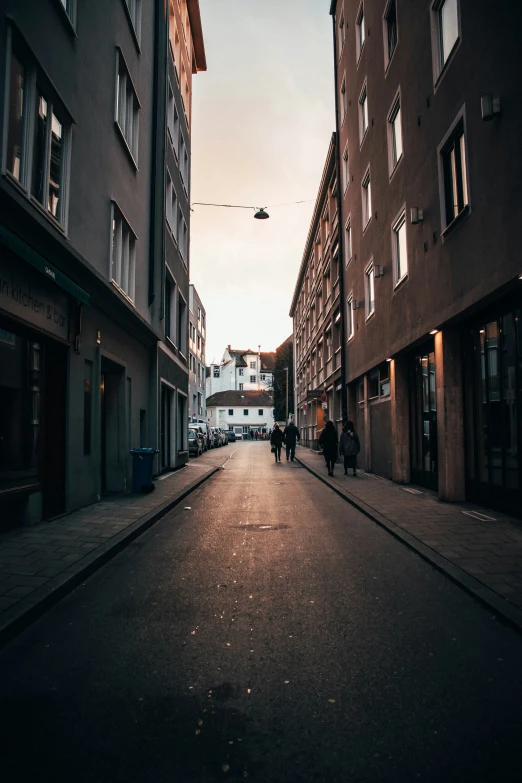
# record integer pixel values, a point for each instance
(34, 344)
(423, 418)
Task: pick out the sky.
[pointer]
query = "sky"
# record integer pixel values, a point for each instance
(262, 119)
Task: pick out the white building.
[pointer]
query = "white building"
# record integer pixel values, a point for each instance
(241, 371)
(241, 411)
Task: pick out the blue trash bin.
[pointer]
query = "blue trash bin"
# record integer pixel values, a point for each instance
(142, 460)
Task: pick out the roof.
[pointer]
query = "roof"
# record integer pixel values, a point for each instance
(241, 399)
(267, 358)
(237, 356)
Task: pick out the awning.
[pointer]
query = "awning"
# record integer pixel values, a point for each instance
(22, 250)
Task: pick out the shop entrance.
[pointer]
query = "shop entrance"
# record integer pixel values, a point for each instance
(113, 431)
(493, 395)
(423, 419)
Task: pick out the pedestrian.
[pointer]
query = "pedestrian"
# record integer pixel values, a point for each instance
(276, 440)
(257, 434)
(349, 447)
(291, 436)
(329, 441)
(251, 434)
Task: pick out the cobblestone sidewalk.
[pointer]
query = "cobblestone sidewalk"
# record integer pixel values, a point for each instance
(485, 544)
(39, 564)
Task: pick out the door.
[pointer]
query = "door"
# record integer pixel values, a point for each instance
(54, 428)
(423, 419)
(165, 427)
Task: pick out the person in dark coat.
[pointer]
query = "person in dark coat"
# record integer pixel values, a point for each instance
(329, 441)
(291, 436)
(349, 447)
(276, 439)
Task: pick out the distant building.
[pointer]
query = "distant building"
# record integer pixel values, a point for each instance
(241, 411)
(316, 311)
(197, 336)
(241, 370)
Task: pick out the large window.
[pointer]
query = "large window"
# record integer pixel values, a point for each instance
(123, 255)
(445, 32)
(390, 30)
(363, 113)
(360, 31)
(454, 173)
(171, 208)
(127, 107)
(394, 134)
(183, 162)
(38, 138)
(366, 194)
(134, 9)
(399, 248)
(370, 289)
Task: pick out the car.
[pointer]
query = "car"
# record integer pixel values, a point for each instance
(231, 435)
(225, 436)
(216, 440)
(195, 442)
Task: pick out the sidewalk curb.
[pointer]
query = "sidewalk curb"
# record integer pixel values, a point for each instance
(504, 611)
(26, 611)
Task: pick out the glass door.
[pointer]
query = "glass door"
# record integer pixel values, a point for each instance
(423, 424)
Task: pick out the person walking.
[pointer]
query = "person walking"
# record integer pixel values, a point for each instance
(349, 447)
(329, 441)
(276, 440)
(291, 436)
(256, 434)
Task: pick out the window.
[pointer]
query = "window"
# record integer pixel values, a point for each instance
(350, 316)
(348, 240)
(37, 159)
(252, 379)
(175, 44)
(252, 365)
(169, 308)
(173, 121)
(182, 325)
(373, 384)
(454, 173)
(390, 31)
(230, 411)
(260, 411)
(70, 9)
(343, 99)
(342, 33)
(399, 248)
(216, 372)
(345, 169)
(183, 238)
(171, 207)
(445, 32)
(241, 387)
(394, 134)
(370, 289)
(360, 32)
(384, 379)
(366, 199)
(241, 371)
(245, 412)
(134, 9)
(183, 162)
(127, 107)
(123, 253)
(263, 377)
(363, 113)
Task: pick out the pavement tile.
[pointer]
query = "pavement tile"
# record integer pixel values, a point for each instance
(19, 592)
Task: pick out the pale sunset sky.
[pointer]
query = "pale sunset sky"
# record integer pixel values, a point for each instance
(263, 115)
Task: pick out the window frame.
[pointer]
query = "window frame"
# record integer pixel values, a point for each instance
(385, 29)
(131, 294)
(348, 244)
(440, 67)
(350, 317)
(369, 284)
(397, 224)
(134, 21)
(344, 100)
(366, 199)
(457, 130)
(360, 32)
(391, 117)
(132, 145)
(342, 33)
(346, 168)
(364, 115)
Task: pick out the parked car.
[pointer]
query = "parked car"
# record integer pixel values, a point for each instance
(231, 435)
(216, 438)
(225, 436)
(195, 442)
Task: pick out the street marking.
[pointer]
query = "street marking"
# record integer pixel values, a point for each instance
(476, 515)
(412, 491)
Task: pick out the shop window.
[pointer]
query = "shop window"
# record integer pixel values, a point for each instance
(384, 379)
(373, 384)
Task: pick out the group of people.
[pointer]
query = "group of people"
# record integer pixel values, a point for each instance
(347, 446)
(289, 436)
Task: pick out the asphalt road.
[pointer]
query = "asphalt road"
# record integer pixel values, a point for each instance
(268, 633)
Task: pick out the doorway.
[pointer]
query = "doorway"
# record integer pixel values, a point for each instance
(423, 419)
(113, 434)
(166, 402)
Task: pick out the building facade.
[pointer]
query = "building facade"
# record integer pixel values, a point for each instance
(84, 334)
(245, 412)
(197, 337)
(427, 119)
(241, 370)
(316, 311)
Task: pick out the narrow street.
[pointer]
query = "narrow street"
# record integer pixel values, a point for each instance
(264, 630)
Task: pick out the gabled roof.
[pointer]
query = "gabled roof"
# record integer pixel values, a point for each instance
(241, 399)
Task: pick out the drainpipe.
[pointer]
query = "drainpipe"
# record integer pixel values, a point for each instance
(344, 407)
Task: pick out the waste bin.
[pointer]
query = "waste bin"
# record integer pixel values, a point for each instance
(142, 460)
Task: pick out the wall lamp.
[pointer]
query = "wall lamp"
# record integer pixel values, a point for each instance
(416, 215)
(490, 107)
(434, 331)
(389, 359)
(378, 271)
(357, 305)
